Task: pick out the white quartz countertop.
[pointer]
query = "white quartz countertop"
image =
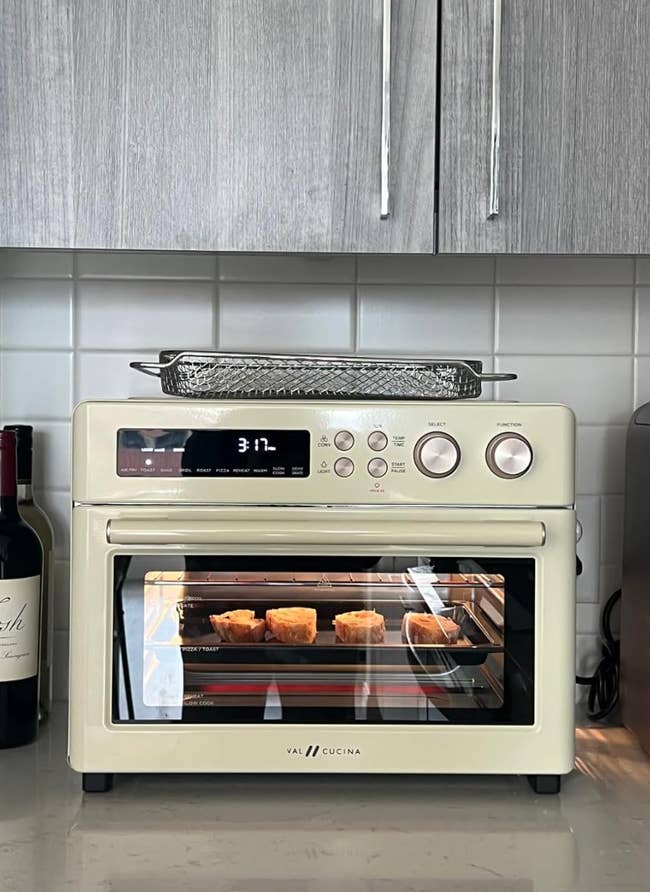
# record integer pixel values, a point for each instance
(328, 834)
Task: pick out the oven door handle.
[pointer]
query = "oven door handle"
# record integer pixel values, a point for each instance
(501, 533)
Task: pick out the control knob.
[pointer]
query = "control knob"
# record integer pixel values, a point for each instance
(509, 455)
(436, 454)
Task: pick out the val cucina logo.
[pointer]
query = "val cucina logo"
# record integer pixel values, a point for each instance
(314, 750)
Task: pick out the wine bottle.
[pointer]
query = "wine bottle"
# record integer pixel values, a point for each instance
(37, 519)
(21, 559)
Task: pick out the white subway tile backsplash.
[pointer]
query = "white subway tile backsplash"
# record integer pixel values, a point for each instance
(280, 268)
(125, 265)
(587, 616)
(105, 376)
(643, 321)
(52, 456)
(36, 264)
(587, 654)
(641, 380)
(61, 595)
(599, 391)
(300, 318)
(414, 269)
(588, 548)
(36, 314)
(600, 459)
(610, 580)
(643, 270)
(523, 269)
(611, 544)
(565, 324)
(57, 507)
(554, 319)
(426, 319)
(35, 385)
(114, 315)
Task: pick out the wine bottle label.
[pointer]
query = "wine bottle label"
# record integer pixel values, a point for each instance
(20, 601)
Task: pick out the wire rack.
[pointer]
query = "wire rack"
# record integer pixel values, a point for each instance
(211, 375)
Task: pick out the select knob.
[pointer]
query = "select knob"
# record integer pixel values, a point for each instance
(436, 455)
(377, 441)
(509, 455)
(343, 440)
(343, 467)
(377, 467)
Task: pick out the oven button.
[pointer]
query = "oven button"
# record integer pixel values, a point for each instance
(344, 440)
(509, 455)
(436, 455)
(377, 441)
(377, 467)
(343, 467)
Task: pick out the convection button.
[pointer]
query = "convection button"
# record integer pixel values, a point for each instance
(436, 455)
(377, 467)
(509, 455)
(343, 440)
(343, 467)
(377, 441)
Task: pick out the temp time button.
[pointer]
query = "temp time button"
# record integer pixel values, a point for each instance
(377, 441)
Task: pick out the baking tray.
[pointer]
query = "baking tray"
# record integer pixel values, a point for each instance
(475, 642)
(218, 375)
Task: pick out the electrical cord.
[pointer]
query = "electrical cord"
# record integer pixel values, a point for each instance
(603, 684)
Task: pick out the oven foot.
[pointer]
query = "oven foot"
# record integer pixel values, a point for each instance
(545, 783)
(96, 783)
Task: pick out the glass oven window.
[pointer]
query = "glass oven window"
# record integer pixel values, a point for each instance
(268, 639)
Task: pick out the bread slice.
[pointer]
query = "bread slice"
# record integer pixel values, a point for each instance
(360, 627)
(429, 628)
(238, 626)
(292, 625)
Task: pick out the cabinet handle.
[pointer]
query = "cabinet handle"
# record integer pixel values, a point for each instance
(495, 130)
(384, 208)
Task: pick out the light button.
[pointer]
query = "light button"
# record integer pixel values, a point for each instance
(343, 440)
(343, 467)
(377, 441)
(377, 467)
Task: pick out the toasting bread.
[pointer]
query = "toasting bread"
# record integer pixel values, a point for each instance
(429, 628)
(238, 626)
(360, 627)
(292, 625)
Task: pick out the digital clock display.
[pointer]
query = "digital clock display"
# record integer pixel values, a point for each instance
(213, 453)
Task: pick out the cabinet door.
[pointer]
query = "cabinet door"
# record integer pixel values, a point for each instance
(575, 127)
(253, 125)
(36, 117)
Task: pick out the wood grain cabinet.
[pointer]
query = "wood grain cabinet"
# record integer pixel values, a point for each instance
(571, 81)
(228, 125)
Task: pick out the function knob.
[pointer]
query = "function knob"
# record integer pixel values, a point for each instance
(377, 441)
(343, 440)
(343, 467)
(436, 455)
(509, 455)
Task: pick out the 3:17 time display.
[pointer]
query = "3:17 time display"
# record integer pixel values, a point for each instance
(257, 444)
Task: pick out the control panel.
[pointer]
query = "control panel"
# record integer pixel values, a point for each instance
(460, 453)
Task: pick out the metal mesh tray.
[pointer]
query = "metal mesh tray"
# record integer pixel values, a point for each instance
(212, 375)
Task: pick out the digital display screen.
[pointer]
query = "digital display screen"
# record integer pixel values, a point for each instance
(212, 453)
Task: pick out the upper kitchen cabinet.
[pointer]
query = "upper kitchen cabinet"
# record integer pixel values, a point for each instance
(36, 113)
(568, 81)
(225, 125)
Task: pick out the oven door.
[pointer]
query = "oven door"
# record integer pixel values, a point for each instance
(222, 619)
